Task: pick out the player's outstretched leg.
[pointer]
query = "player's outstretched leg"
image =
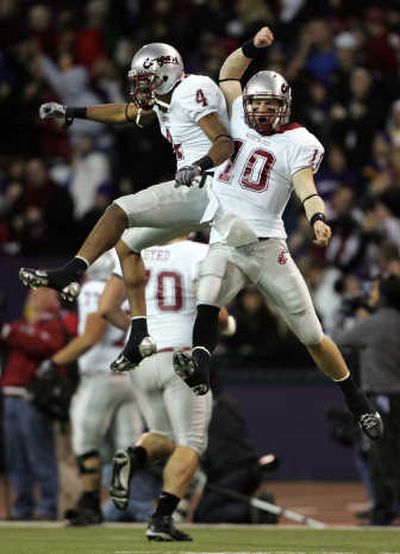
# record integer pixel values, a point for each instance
(125, 464)
(329, 358)
(66, 279)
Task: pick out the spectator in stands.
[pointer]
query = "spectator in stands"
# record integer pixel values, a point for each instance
(380, 54)
(90, 169)
(47, 212)
(28, 432)
(356, 117)
(376, 336)
(334, 173)
(393, 124)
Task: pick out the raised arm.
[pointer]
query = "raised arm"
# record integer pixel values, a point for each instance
(102, 113)
(313, 205)
(236, 64)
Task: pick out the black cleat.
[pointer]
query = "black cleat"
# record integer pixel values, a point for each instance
(84, 517)
(125, 362)
(36, 278)
(186, 368)
(123, 468)
(372, 425)
(162, 528)
(87, 512)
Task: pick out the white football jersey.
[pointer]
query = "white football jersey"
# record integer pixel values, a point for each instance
(172, 271)
(100, 356)
(256, 183)
(195, 97)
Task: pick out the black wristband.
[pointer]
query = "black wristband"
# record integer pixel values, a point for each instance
(249, 50)
(318, 216)
(72, 113)
(204, 163)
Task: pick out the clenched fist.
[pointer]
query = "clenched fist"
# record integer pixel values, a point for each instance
(52, 109)
(264, 37)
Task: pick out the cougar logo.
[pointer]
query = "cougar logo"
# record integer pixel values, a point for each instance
(283, 257)
(162, 60)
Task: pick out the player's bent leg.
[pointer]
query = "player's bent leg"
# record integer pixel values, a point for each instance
(139, 344)
(282, 283)
(66, 279)
(219, 283)
(329, 359)
(177, 475)
(126, 462)
(88, 510)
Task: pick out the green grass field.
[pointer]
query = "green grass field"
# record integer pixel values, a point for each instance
(123, 540)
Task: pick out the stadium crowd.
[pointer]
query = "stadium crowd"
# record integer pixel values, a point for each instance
(342, 60)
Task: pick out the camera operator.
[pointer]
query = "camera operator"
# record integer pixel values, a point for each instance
(375, 334)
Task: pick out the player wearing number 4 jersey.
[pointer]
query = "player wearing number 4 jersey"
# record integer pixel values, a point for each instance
(271, 158)
(191, 113)
(102, 399)
(177, 419)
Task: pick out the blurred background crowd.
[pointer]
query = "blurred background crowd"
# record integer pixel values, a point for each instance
(341, 58)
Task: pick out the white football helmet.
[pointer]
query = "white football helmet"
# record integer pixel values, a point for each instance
(155, 69)
(266, 86)
(101, 269)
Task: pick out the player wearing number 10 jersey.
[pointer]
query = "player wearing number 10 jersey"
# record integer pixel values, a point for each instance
(272, 158)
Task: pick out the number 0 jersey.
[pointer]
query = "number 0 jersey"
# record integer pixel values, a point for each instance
(195, 97)
(172, 271)
(256, 183)
(100, 356)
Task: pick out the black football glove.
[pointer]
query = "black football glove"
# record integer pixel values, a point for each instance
(187, 176)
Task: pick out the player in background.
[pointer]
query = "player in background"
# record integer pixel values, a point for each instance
(272, 157)
(191, 112)
(176, 418)
(102, 398)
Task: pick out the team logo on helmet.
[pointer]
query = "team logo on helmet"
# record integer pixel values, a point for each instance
(160, 61)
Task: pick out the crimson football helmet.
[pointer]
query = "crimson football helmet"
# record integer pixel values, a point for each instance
(261, 113)
(155, 69)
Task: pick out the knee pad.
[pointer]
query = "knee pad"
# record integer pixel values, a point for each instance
(308, 329)
(82, 462)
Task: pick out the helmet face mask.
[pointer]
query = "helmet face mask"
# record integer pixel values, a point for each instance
(155, 70)
(266, 102)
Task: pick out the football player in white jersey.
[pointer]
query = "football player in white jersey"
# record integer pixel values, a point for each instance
(272, 157)
(191, 112)
(102, 398)
(177, 419)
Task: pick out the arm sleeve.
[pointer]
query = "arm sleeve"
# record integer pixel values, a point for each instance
(305, 153)
(201, 98)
